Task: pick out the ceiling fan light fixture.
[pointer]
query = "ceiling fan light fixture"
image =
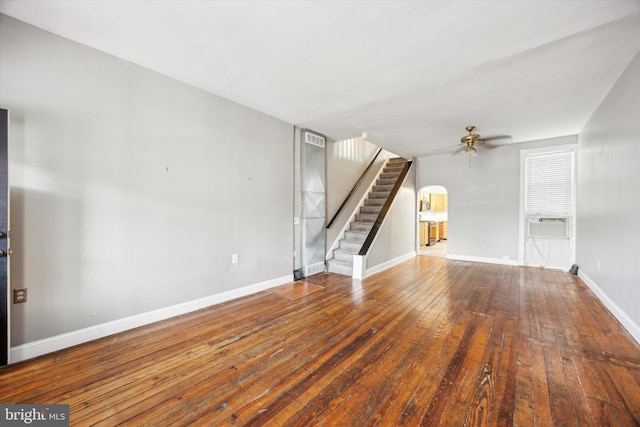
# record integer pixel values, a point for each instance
(469, 150)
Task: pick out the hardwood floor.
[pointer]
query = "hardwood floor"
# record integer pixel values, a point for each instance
(429, 342)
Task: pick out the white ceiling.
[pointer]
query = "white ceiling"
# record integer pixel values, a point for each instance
(412, 74)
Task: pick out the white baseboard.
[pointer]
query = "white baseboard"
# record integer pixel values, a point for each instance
(632, 327)
(389, 264)
(483, 259)
(58, 342)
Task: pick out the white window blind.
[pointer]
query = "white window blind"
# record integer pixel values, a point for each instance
(549, 183)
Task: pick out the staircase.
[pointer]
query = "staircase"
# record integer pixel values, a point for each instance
(356, 234)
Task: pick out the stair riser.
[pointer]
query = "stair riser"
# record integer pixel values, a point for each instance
(382, 188)
(394, 169)
(343, 256)
(374, 202)
(353, 246)
(370, 209)
(355, 235)
(361, 227)
(340, 269)
(379, 195)
(386, 181)
(393, 176)
(366, 218)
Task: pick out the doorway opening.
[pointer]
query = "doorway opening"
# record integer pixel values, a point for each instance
(433, 205)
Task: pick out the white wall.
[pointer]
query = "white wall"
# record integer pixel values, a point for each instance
(346, 160)
(608, 199)
(130, 190)
(483, 199)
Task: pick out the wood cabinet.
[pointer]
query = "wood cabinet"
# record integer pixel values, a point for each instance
(434, 230)
(438, 202)
(442, 225)
(429, 233)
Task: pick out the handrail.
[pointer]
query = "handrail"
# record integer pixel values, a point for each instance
(354, 188)
(383, 212)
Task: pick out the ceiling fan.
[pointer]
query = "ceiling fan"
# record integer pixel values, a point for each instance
(470, 141)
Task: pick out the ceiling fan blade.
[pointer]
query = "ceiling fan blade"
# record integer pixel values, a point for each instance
(497, 140)
(458, 151)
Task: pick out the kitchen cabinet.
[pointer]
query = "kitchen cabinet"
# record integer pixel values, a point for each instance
(442, 226)
(423, 233)
(429, 233)
(438, 202)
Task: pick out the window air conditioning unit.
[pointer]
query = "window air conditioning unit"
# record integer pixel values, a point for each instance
(548, 227)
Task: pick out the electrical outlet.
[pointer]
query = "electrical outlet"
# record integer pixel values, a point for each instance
(234, 259)
(19, 295)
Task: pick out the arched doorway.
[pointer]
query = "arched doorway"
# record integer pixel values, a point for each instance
(432, 221)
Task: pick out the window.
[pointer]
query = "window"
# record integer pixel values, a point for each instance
(549, 183)
(547, 206)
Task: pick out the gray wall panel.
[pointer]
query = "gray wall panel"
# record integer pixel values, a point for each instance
(131, 190)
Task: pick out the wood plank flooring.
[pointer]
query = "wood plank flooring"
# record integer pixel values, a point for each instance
(430, 342)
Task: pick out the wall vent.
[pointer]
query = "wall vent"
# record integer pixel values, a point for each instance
(548, 227)
(314, 139)
(314, 269)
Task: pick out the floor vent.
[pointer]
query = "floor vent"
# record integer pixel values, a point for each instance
(314, 269)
